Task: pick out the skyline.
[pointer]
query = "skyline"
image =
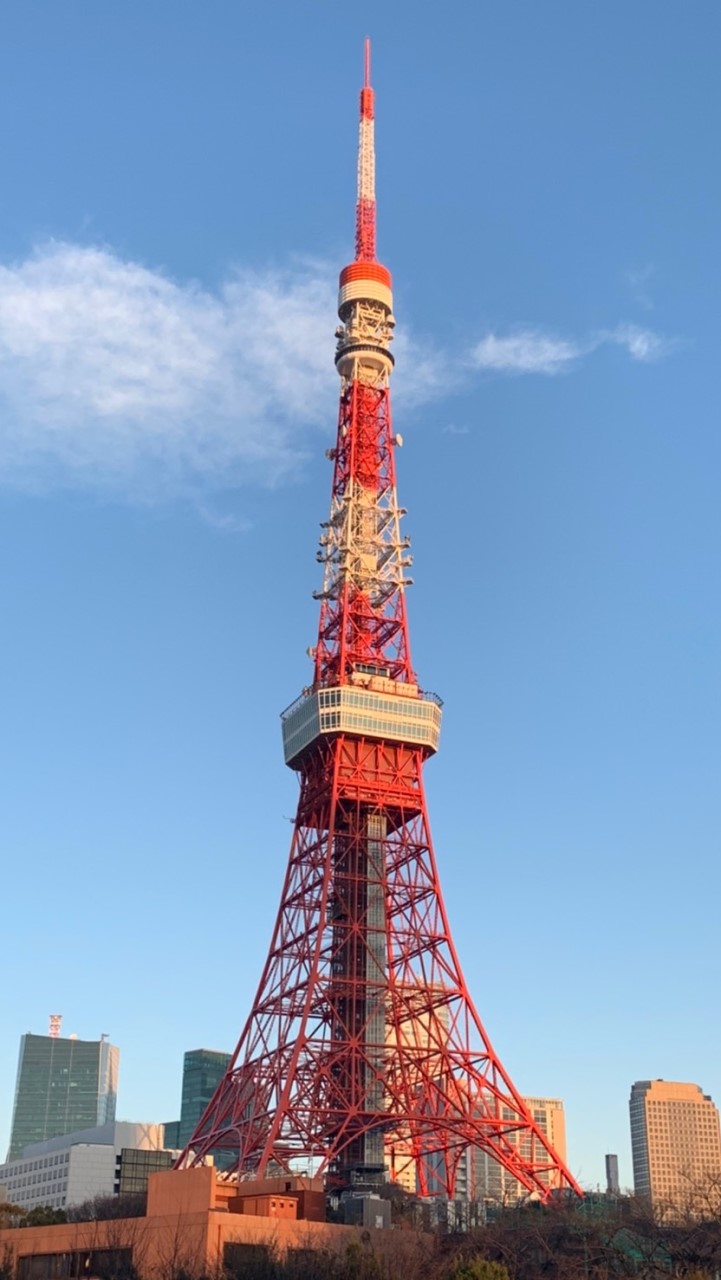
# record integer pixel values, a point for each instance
(567, 408)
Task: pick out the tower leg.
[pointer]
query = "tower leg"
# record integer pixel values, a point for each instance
(363, 1033)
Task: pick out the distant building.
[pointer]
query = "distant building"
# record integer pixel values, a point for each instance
(612, 1184)
(102, 1161)
(134, 1166)
(63, 1085)
(203, 1069)
(486, 1179)
(676, 1143)
(172, 1134)
(417, 1033)
(202, 1072)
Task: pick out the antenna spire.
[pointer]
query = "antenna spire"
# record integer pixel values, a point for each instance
(365, 222)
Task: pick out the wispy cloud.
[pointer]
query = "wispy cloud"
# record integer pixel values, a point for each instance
(641, 344)
(424, 372)
(115, 376)
(525, 351)
(537, 351)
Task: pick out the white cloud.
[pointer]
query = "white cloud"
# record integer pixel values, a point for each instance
(525, 351)
(641, 344)
(114, 374)
(423, 371)
(534, 351)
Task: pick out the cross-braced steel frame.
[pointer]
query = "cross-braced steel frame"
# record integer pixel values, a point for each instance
(363, 1047)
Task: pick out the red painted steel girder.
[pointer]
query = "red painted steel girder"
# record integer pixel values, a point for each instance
(300, 1078)
(351, 628)
(363, 1039)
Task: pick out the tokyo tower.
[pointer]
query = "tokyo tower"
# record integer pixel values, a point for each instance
(363, 1041)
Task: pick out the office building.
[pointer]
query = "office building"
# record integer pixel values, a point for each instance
(172, 1134)
(676, 1143)
(612, 1186)
(417, 1033)
(203, 1069)
(63, 1085)
(488, 1180)
(102, 1161)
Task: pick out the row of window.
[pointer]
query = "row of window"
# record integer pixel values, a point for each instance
(45, 1162)
(59, 1266)
(56, 1179)
(417, 709)
(372, 724)
(22, 1173)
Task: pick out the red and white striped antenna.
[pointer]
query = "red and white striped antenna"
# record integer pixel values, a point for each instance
(365, 222)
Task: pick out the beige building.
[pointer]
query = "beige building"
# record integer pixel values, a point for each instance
(479, 1176)
(421, 1033)
(488, 1180)
(676, 1144)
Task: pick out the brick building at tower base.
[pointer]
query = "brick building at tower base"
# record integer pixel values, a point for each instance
(200, 1225)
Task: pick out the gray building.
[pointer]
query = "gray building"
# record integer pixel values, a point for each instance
(102, 1161)
(63, 1085)
(612, 1184)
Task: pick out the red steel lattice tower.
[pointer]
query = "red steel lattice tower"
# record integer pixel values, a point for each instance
(363, 1038)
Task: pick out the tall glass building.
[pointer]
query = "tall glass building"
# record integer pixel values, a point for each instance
(203, 1069)
(62, 1085)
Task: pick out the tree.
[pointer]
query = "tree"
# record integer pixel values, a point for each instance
(477, 1268)
(10, 1214)
(43, 1215)
(102, 1208)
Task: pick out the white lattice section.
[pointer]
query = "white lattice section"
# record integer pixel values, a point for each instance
(362, 545)
(366, 161)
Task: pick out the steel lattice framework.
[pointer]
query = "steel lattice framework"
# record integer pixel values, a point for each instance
(363, 1047)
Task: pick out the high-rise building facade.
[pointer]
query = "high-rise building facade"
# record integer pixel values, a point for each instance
(63, 1085)
(203, 1069)
(418, 1033)
(488, 1180)
(612, 1183)
(676, 1143)
(172, 1134)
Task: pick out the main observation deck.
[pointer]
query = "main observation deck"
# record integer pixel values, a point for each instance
(369, 707)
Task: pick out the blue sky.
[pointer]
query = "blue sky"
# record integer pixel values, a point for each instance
(177, 198)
